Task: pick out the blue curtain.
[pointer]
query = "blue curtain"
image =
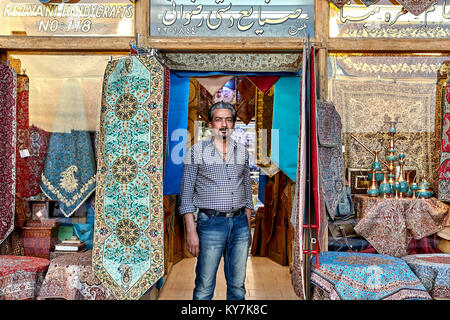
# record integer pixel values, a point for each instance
(285, 124)
(176, 133)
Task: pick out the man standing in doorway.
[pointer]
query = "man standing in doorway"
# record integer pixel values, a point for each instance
(216, 181)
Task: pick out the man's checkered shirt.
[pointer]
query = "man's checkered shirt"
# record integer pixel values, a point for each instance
(210, 182)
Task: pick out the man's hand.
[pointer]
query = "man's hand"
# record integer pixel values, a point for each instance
(248, 212)
(192, 240)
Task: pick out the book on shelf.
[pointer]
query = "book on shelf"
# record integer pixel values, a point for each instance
(69, 247)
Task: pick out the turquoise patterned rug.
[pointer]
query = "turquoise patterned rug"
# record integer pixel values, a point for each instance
(128, 255)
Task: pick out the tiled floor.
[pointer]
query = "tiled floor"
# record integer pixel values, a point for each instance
(265, 280)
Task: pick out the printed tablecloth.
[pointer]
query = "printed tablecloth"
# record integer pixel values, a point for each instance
(21, 276)
(71, 277)
(364, 276)
(433, 270)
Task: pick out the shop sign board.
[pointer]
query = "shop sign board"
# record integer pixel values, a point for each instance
(226, 18)
(67, 17)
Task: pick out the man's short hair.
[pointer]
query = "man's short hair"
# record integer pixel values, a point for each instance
(221, 105)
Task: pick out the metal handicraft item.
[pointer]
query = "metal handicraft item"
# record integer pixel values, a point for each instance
(388, 178)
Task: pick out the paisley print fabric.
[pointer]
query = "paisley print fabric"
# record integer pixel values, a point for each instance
(38, 150)
(390, 224)
(71, 277)
(364, 276)
(8, 91)
(21, 277)
(23, 168)
(128, 255)
(69, 169)
(242, 62)
(331, 159)
(433, 270)
(298, 206)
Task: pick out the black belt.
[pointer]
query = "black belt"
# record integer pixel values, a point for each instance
(229, 214)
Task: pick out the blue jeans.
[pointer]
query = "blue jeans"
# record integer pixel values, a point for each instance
(221, 236)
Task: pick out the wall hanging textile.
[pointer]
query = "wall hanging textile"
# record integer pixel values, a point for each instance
(128, 252)
(71, 277)
(246, 99)
(285, 124)
(390, 224)
(364, 276)
(363, 106)
(387, 66)
(23, 165)
(263, 129)
(339, 3)
(240, 62)
(416, 7)
(8, 96)
(21, 277)
(331, 159)
(69, 170)
(263, 83)
(214, 83)
(299, 201)
(444, 167)
(433, 270)
(194, 104)
(165, 110)
(176, 133)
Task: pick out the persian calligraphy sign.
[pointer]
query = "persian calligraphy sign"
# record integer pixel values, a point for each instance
(222, 18)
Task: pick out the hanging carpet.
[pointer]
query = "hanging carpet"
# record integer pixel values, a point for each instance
(69, 170)
(128, 252)
(23, 163)
(8, 96)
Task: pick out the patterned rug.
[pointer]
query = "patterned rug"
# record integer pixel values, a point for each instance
(23, 168)
(8, 91)
(71, 277)
(69, 170)
(364, 276)
(363, 105)
(433, 270)
(128, 252)
(21, 277)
